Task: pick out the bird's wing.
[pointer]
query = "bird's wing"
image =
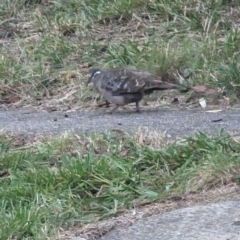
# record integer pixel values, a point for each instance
(153, 82)
(122, 81)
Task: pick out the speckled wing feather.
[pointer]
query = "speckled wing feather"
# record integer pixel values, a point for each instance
(122, 81)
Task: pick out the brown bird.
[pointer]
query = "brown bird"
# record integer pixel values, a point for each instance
(121, 86)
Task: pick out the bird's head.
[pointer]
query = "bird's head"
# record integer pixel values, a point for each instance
(92, 73)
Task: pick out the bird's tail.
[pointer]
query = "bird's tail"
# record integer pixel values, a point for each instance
(161, 85)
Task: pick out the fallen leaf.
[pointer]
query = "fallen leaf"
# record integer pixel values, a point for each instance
(211, 91)
(214, 102)
(194, 96)
(199, 88)
(203, 89)
(124, 153)
(67, 78)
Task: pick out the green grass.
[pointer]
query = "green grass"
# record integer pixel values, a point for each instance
(69, 182)
(48, 46)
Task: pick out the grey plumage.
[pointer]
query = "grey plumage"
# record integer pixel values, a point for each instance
(122, 86)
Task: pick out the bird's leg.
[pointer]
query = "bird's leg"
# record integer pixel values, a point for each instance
(104, 104)
(114, 109)
(137, 107)
(107, 104)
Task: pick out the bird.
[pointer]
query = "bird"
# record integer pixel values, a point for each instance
(121, 86)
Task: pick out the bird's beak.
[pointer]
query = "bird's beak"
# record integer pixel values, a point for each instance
(92, 74)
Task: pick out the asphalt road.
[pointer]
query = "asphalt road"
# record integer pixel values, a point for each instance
(172, 122)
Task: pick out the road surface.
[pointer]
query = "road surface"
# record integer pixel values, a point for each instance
(173, 123)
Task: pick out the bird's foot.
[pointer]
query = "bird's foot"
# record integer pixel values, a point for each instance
(113, 110)
(107, 104)
(137, 108)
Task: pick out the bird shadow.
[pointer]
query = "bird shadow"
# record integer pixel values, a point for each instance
(127, 112)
